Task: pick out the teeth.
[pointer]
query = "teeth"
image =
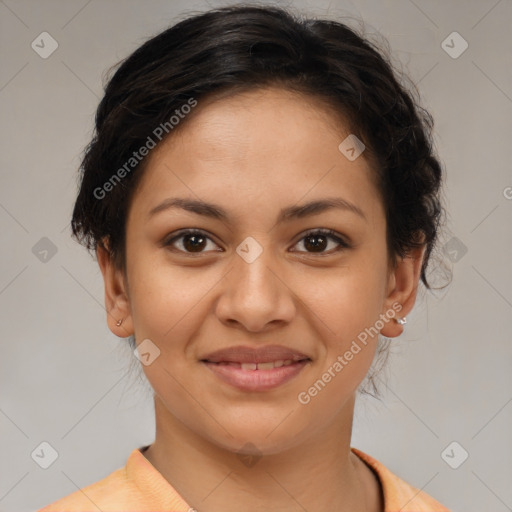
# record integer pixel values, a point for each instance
(266, 366)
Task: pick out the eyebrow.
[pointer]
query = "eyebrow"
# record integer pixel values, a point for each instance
(286, 214)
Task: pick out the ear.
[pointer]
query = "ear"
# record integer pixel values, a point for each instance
(117, 303)
(402, 289)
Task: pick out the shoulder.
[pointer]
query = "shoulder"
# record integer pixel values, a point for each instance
(398, 494)
(111, 490)
(136, 486)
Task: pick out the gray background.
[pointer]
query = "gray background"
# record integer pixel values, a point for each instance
(64, 375)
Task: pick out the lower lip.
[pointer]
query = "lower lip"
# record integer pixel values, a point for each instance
(256, 380)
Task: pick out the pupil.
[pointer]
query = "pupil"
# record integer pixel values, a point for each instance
(194, 243)
(319, 245)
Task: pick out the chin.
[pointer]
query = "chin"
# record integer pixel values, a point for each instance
(259, 436)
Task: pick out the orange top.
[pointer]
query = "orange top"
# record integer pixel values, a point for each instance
(140, 487)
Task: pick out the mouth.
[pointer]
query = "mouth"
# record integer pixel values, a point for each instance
(269, 365)
(261, 369)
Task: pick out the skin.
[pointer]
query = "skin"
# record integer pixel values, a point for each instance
(252, 154)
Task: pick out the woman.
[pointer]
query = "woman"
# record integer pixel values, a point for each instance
(263, 200)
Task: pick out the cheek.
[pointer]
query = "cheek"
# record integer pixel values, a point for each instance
(345, 300)
(344, 313)
(165, 300)
(344, 306)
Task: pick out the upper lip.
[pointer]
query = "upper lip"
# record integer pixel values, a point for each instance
(241, 354)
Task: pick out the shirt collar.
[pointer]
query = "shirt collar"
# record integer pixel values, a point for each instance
(398, 495)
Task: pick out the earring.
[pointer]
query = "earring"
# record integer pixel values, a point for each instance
(401, 321)
(119, 322)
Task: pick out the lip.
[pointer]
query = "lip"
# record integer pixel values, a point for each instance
(241, 354)
(226, 365)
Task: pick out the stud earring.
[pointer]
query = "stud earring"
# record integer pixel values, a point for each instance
(119, 322)
(401, 321)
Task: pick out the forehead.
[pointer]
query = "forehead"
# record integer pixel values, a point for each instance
(261, 148)
(263, 120)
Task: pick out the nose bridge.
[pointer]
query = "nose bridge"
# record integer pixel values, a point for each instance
(253, 279)
(255, 276)
(254, 295)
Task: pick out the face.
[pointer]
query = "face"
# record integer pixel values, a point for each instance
(257, 275)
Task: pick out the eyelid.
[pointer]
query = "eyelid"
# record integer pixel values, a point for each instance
(168, 241)
(341, 240)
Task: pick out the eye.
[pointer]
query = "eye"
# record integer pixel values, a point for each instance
(316, 241)
(190, 241)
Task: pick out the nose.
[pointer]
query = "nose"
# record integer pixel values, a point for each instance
(254, 295)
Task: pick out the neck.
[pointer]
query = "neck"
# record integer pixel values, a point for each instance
(321, 474)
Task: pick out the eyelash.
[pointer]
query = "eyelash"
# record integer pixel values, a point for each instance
(326, 232)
